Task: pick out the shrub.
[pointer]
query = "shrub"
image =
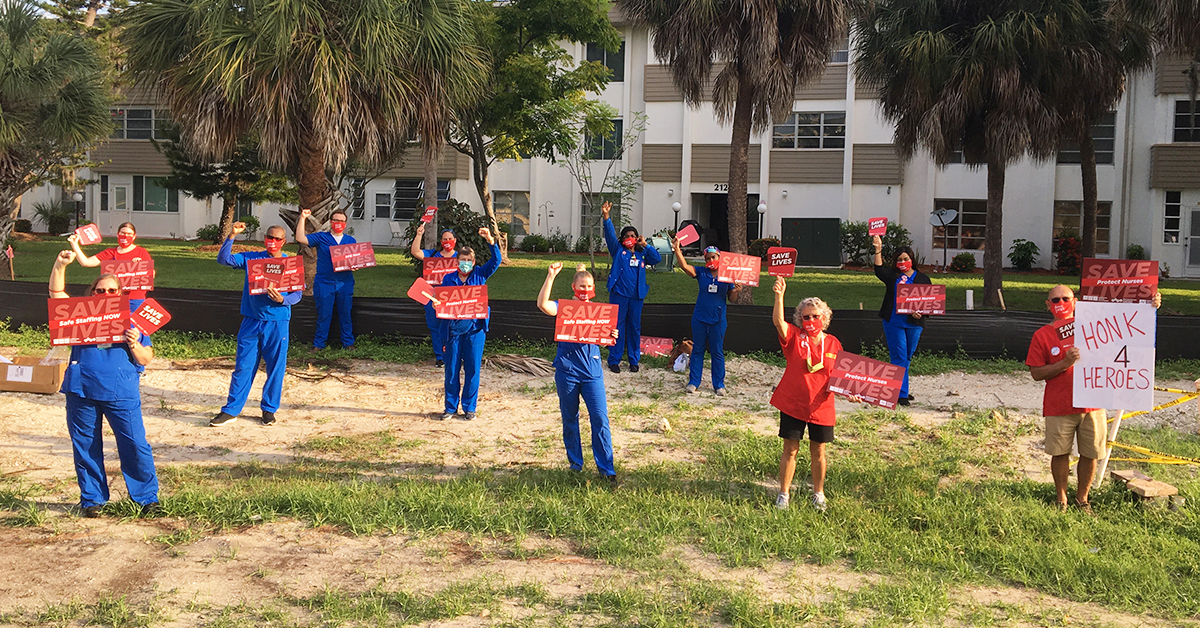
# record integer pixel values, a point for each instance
(857, 247)
(464, 221)
(23, 225)
(758, 248)
(252, 226)
(587, 244)
(559, 242)
(535, 243)
(963, 263)
(56, 216)
(1135, 251)
(1023, 254)
(210, 233)
(1068, 255)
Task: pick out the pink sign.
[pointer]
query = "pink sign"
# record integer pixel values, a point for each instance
(687, 235)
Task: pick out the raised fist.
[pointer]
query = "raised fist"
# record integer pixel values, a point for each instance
(605, 209)
(238, 227)
(305, 213)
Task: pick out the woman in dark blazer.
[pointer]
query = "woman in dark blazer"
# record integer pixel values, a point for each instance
(903, 332)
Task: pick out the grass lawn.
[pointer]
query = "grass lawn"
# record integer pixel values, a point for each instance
(180, 265)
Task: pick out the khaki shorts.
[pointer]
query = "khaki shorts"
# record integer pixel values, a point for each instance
(1091, 428)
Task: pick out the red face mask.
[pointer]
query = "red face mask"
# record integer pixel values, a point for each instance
(904, 266)
(585, 295)
(337, 227)
(124, 240)
(712, 264)
(813, 328)
(448, 245)
(273, 246)
(1063, 309)
(629, 242)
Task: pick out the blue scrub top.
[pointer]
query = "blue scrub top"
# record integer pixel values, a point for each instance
(478, 277)
(628, 276)
(710, 301)
(257, 306)
(580, 361)
(103, 372)
(321, 241)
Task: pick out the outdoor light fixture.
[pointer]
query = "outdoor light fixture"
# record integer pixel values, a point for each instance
(675, 207)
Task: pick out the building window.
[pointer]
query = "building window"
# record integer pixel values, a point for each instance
(1103, 134)
(244, 208)
(358, 198)
(1187, 126)
(590, 217)
(968, 228)
(1172, 217)
(103, 192)
(1068, 219)
(512, 208)
(841, 54)
(811, 130)
(607, 147)
(383, 205)
(408, 197)
(149, 196)
(140, 124)
(614, 61)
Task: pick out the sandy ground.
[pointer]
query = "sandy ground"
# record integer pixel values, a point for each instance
(518, 424)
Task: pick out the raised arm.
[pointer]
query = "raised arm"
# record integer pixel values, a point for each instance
(83, 258)
(492, 264)
(58, 274)
(877, 242)
(301, 224)
(550, 308)
(687, 268)
(225, 256)
(415, 249)
(777, 317)
(610, 232)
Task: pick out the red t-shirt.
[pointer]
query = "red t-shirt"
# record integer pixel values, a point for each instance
(135, 254)
(802, 394)
(1049, 346)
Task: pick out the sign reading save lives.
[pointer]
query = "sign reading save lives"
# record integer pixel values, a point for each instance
(286, 274)
(1116, 363)
(150, 317)
(352, 256)
(133, 274)
(877, 383)
(781, 261)
(88, 320)
(585, 323)
(461, 302)
(1118, 280)
(738, 268)
(925, 298)
(434, 268)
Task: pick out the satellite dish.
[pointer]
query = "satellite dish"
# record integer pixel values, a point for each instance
(942, 217)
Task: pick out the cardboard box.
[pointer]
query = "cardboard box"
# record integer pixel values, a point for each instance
(26, 374)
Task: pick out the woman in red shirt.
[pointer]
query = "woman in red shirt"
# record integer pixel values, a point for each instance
(803, 396)
(126, 250)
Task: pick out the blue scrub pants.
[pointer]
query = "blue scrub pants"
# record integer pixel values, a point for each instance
(902, 340)
(257, 339)
(570, 389)
(463, 351)
(84, 424)
(712, 337)
(629, 330)
(330, 295)
(437, 331)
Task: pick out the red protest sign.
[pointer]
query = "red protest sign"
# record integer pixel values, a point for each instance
(925, 298)
(421, 291)
(586, 323)
(133, 274)
(877, 226)
(352, 256)
(687, 235)
(461, 302)
(88, 234)
(437, 267)
(1066, 333)
(150, 317)
(88, 320)
(781, 262)
(1118, 280)
(286, 274)
(657, 346)
(429, 213)
(877, 383)
(738, 268)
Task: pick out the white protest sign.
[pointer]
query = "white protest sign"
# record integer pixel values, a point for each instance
(1116, 364)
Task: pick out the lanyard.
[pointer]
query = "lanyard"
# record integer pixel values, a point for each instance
(813, 368)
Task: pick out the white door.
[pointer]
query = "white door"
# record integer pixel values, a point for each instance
(1193, 244)
(122, 206)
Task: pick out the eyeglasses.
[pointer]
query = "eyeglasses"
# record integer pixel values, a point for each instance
(811, 317)
(274, 239)
(1061, 299)
(338, 222)
(106, 291)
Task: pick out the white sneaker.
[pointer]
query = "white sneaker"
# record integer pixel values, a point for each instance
(782, 501)
(691, 390)
(818, 501)
(720, 392)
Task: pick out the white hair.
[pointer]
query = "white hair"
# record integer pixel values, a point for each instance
(822, 308)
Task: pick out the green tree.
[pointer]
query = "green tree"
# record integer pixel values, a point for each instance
(768, 49)
(969, 76)
(1178, 27)
(53, 106)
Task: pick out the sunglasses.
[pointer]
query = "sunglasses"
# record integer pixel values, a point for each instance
(106, 291)
(338, 222)
(811, 317)
(274, 239)
(1062, 299)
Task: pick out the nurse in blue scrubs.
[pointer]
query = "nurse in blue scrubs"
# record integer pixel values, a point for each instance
(708, 318)
(465, 338)
(578, 373)
(103, 381)
(902, 331)
(447, 242)
(331, 290)
(627, 288)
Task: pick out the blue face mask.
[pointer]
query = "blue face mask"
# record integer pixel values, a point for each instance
(465, 266)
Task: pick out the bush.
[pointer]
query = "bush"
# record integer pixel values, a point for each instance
(210, 233)
(857, 247)
(963, 263)
(1135, 251)
(56, 216)
(535, 243)
(23, 225)
(252, 226)
(758, 248)
(587, 244)
(1023, 254)
(464, 221)
(559, 242)
(1068, 254)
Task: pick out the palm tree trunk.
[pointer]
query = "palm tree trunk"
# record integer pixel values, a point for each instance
(430, 199)
(89, 18)
(739, 153)
(229, 203)
(9, 206)
(1087, 169)
(993, 240)
(315, 193)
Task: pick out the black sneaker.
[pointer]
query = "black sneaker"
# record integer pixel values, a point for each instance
(91, 512)
(268, 418)
(616, 368)
(903, 401)
(221, 419)
(439, 363)
(612, 481)
(153, 509)
(469, 416)
(445, 416)
(912, 398)
(633, 368)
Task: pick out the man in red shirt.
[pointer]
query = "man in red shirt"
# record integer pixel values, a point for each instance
(1052, 357)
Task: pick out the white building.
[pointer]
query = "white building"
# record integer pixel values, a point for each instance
(832, 160)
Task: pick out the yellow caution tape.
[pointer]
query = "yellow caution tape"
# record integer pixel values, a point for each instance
(1152, 457)
(1187, 396)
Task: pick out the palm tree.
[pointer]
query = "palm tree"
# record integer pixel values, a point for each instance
(769, 48)
(322, 83)
(53, 106)
(971, 76)
(1179, 30)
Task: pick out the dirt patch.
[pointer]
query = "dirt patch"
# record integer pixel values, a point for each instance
(18, 236)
